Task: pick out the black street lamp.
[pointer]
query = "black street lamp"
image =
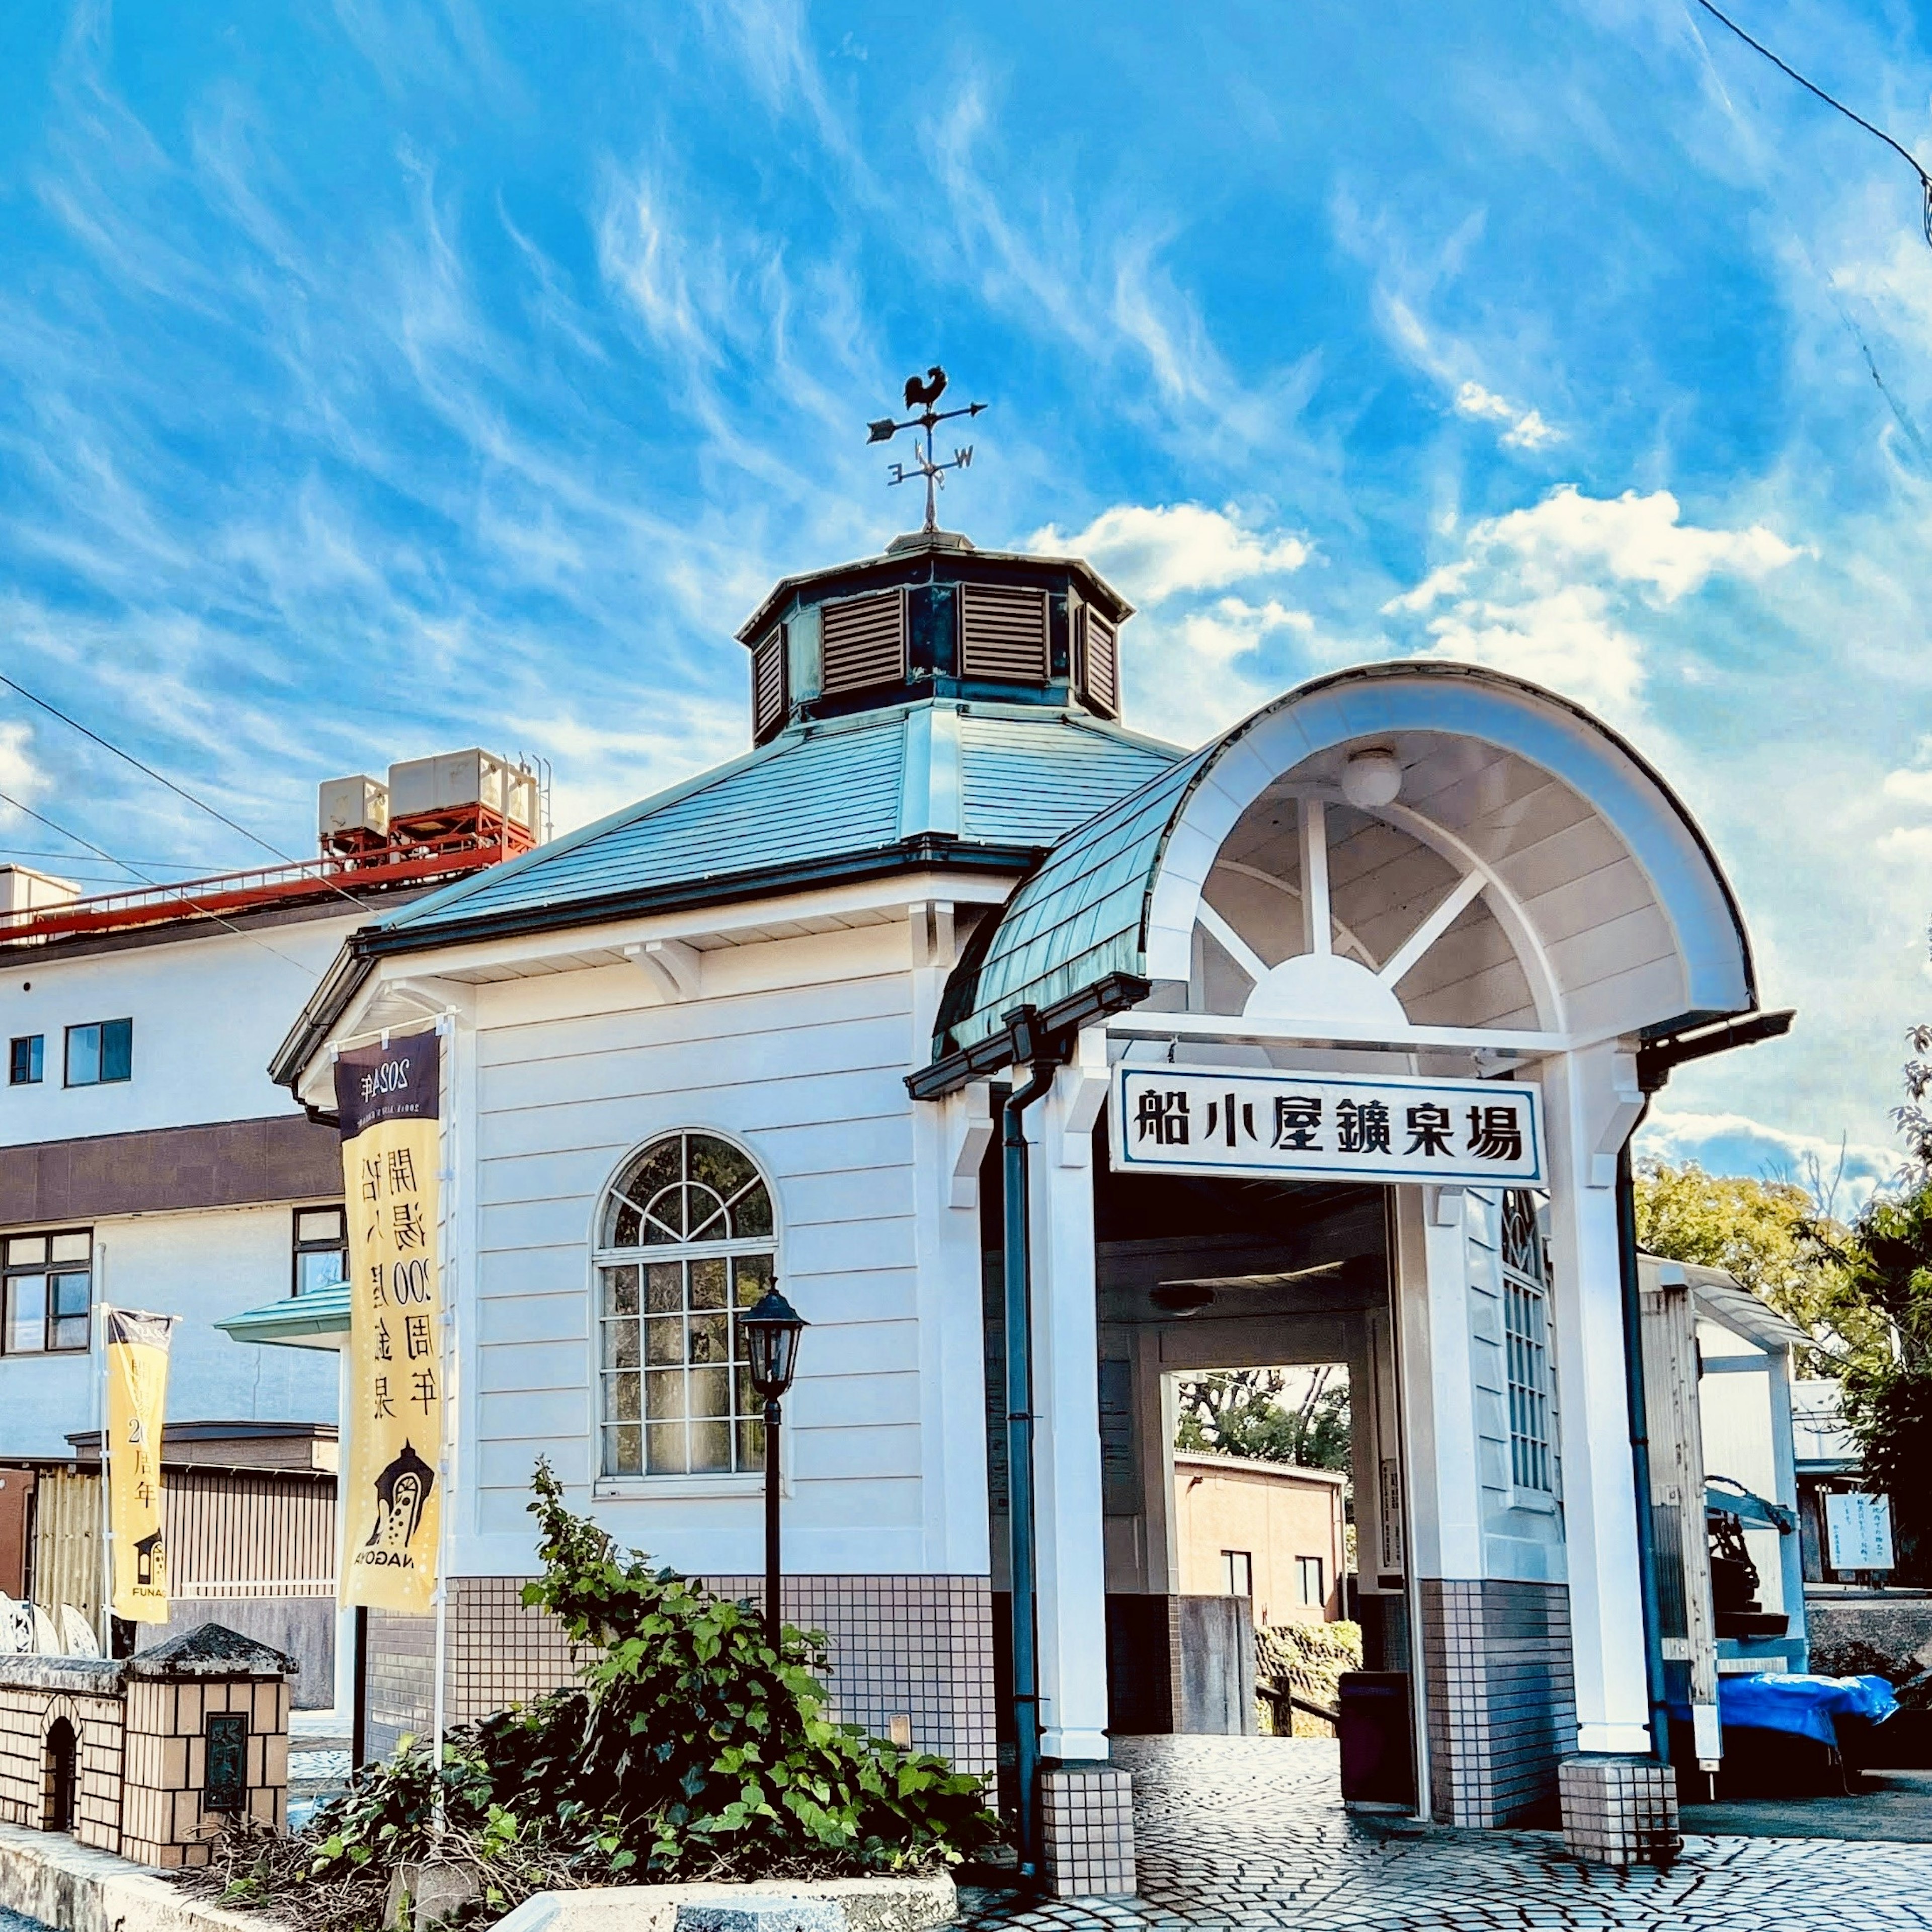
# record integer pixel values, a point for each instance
(771, 1330)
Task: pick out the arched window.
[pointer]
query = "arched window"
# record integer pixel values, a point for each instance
(686, 1246)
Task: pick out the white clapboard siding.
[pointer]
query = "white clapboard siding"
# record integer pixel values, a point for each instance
(826, 1454)
(1003, 632)
(811, 1083)
(865, 992)
(863, 642)
(509, 1317)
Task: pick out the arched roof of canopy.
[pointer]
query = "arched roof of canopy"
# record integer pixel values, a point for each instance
(1554, 877)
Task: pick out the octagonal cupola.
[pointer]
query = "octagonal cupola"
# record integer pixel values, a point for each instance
(935, 617)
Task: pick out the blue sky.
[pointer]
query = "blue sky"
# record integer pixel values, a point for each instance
(385, 377)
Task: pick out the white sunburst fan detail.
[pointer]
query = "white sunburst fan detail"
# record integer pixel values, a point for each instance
(1320, 983)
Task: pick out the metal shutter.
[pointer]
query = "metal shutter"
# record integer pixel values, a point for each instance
(864, 642)
(768, 686)
(1098, 667)
(1003, 633)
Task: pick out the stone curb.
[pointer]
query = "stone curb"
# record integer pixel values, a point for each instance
(835, 1905)
(75, 1889)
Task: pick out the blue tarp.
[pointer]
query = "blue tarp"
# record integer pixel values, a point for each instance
(1783, 1701)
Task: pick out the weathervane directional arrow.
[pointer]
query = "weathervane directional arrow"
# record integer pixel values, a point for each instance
(925, 395)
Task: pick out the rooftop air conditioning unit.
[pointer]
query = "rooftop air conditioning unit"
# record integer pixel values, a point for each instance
(23, 890)
(454, 781)
(356, 809)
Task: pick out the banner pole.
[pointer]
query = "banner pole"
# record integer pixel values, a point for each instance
(445, 1351)
(104, 1616)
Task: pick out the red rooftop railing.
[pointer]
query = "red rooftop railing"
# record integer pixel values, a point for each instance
(458, 842)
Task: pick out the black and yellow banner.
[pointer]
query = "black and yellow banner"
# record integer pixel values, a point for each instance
(387, 1098)
(137, 1401)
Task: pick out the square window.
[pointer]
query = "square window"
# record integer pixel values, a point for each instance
(26, 1058)
(48, 1292)
(321, 1248)
(99, 1052)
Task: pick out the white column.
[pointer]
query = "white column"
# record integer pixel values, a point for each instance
(1072, 1611)
(1443, 1478)
(1592, 1103)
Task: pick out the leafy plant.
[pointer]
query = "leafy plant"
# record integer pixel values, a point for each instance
(691, 1748)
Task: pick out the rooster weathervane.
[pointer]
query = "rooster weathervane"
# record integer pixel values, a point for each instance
(924, 396)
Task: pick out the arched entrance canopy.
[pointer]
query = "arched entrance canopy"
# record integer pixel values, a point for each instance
(1395, 846)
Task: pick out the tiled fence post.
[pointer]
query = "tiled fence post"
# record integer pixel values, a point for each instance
(150, 1756)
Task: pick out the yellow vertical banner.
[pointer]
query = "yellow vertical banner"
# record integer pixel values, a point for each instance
(387, 1098)
(136, 1368)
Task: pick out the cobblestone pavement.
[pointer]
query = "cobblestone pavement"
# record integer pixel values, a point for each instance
(1245, 1835)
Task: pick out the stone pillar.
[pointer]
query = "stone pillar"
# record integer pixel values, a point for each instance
(207, 1742)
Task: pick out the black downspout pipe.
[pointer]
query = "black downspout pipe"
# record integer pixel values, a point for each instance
(1639, 1442)
(1028, 1047)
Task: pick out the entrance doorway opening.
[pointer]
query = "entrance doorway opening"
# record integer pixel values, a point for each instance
(1262, 1507)
(59, 1770)
(1248, 1415)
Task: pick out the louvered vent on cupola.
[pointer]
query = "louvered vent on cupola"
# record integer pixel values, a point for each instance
(1003, 633)
(863, 641)
(1096, 663)
(770, 692)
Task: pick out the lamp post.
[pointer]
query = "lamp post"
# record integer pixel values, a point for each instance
(771, 1332)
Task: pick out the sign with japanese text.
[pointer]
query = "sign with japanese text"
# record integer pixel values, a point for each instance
(388, 1099)
(1858, 1525)
(1329, 1126)
(137, 1400)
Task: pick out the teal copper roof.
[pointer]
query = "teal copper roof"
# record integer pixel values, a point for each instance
(1004, 780)
(1080, 916)
(318, 1319)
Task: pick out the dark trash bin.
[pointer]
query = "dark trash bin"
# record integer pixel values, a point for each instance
(1377, 1739)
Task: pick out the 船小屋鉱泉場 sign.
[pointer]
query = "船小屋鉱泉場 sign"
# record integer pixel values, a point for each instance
(1332, 1127)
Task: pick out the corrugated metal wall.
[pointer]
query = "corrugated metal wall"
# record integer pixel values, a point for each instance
(230, 1534)
(66, 1543)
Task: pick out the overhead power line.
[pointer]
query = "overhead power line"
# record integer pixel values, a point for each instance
(162, 778)
(1811, 87)
(100, 851)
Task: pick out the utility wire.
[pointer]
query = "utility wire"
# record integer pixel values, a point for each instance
(41, 818)
(72, 858)
(160, 777)
(1812, 87)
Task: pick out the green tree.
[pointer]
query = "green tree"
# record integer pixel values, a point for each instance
(1775, 1237)
(1888, 1390)
(1239, 1412)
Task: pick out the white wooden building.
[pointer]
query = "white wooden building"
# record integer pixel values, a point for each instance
(766, 1022)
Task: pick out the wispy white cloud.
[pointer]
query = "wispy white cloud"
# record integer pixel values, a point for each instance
(20, 775)
(1155, 550)
(1524, 429)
